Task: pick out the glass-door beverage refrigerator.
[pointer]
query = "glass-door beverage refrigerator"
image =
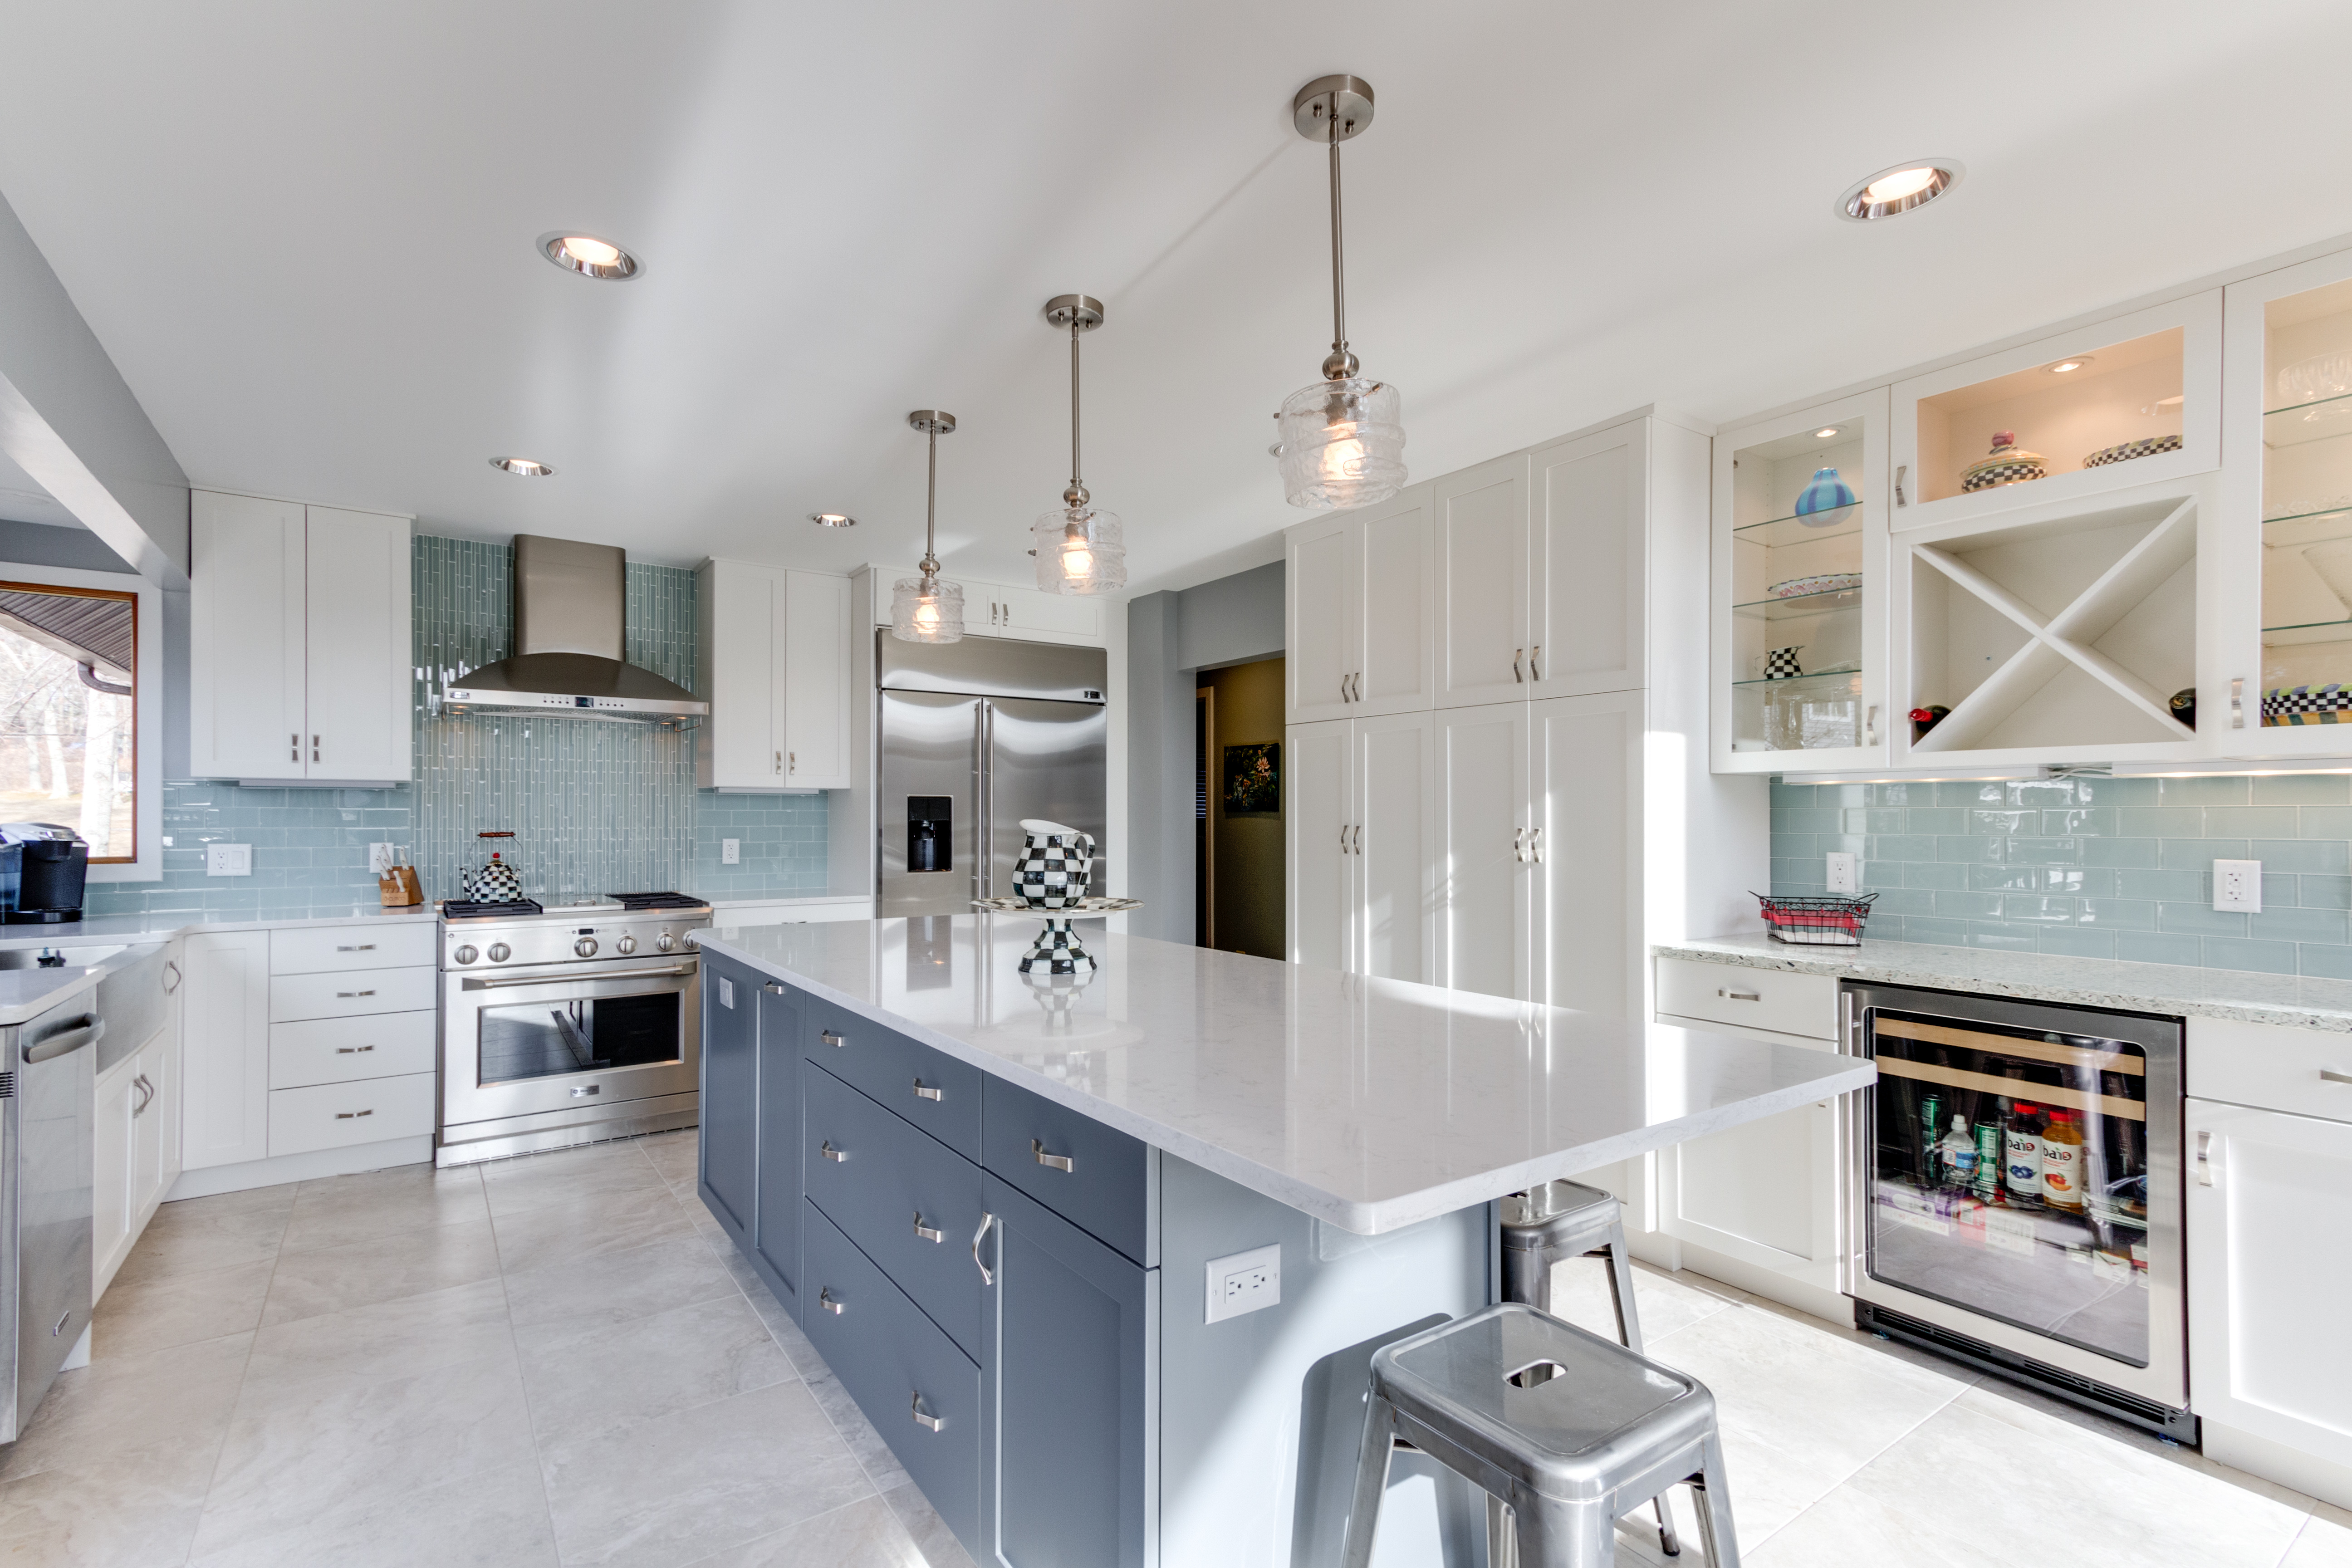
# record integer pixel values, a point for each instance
(2016, 1196)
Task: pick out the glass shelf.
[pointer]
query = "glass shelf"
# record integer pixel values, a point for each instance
(1801, 606)
(1806, 682)
(2300, 423)
(1783, 531)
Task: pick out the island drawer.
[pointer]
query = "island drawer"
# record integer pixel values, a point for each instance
(899, 1366)
(936, 1092)
(1095, 1176)
(1774, 999)
(2276, 1066)
(910, 1202)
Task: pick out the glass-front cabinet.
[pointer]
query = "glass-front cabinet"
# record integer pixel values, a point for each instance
(1801, 617)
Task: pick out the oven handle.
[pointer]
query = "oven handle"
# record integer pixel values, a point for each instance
(563, 977)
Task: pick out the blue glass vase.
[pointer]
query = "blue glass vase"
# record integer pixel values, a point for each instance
(1828, 500)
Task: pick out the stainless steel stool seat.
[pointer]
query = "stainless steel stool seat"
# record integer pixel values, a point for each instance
(1598, 1432)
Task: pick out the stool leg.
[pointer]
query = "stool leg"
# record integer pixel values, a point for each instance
(1628, 1334)
(1715, 1532)
(1371, 1481)
(1564, 1534)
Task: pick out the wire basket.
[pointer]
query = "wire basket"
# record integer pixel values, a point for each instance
(1818, 922)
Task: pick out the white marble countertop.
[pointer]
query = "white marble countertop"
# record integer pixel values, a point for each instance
(26, 994)
(2301, 1001)
(1369, 1103)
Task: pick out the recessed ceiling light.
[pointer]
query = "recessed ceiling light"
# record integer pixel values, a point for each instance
(529, 467)
(1825, 434)
(833, 520)
(1899, 189)
(589, 256)
(2064, 365)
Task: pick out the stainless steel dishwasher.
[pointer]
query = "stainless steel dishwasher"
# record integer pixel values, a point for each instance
(47, 1073)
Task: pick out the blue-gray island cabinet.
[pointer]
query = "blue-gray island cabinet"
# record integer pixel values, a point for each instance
(994, 1209)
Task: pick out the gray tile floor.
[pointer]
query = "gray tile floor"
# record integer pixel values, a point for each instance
(560, 1359)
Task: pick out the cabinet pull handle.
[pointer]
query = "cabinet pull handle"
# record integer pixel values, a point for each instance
(172, 977)
(1535, 662)
(1870, 725)
(352, 1050)
(987, 1275)
(314, 748)
(1357, 833)
(353, 1115)
(1520, 844)
(773, 988)
(2329, 1075)
(2204, 1159)
(1730, 996)
(1343, 839)
(829, 1038)
(2238, 702)
(355, 993)
(778, 765)
(294, 748)
(924, 1419)
(1051, 1161)
(932, 1234)
(828, 1300)
(923, 1091)
(832, 1154)
(1902, 473)
(1356, 685)
(360, 947)
(146, 1090)
(1343, 689)
(1535, 844)
(1518, 654)
(791, 762)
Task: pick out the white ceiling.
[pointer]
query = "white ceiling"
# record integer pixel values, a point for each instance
(305, 232)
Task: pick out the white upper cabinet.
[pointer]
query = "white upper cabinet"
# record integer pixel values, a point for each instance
(1483, 584)
(1362, 605)
(299, 642)
(773, 659)
(1587, 579)
(1001, 610)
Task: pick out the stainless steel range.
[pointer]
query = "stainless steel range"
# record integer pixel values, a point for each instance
(567, 1024)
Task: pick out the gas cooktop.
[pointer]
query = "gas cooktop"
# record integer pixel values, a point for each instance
(526, 909)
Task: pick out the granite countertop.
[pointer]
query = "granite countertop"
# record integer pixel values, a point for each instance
(2300, 1001)
(1367, 1103)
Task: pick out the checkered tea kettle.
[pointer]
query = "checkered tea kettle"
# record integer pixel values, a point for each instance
(495, 883)
(1056, 865)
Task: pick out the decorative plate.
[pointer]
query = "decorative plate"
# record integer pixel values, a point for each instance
(2008, 464)
(2130, 449)
(1823, 583)
(1096, 906)
(2329, 704)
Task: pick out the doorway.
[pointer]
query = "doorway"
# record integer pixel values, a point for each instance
(1239, 797)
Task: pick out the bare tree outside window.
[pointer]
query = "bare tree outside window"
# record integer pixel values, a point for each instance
(67, 741)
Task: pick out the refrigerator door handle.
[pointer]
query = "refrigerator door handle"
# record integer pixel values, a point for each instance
(983, 853)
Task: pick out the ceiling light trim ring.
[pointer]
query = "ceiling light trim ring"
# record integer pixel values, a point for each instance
(626, 267)
(833, 520)
(523, 468)
(1855, 206)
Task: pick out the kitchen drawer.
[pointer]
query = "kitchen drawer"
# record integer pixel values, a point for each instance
(1772, 999)
(878, 1178)
(351, 993)
(1109, 1185)
(334, 1115)
(339, 1050)
(893, 1068)
(312, 950)
(2271, 1066)
(894, 1362)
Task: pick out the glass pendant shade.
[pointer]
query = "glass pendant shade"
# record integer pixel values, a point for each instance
(1342, 444)
(926, 610)
(1080, 550)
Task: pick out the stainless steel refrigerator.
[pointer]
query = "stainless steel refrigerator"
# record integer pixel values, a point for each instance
(976, 735)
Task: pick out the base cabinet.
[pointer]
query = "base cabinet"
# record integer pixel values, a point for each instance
(776, 1221)
(224, 1030)
(138, 1151)
(730, 1176)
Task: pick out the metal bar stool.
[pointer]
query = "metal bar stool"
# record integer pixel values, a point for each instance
(1559, 1220)
(1568, 1428)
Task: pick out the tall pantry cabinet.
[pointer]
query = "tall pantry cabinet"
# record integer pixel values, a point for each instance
(1497, 734)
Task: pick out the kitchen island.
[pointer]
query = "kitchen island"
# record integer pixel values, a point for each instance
(1005, 1209)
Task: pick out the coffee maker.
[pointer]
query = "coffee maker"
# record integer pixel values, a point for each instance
(43, 870)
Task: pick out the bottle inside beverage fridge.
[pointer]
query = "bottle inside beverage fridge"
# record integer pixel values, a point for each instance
(2062, 1162)
(1958, 1155)
(1931, 1162)
(2023, 1136)
(1989, 1158)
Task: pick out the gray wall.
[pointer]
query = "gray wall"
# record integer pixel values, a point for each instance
(1171, 638)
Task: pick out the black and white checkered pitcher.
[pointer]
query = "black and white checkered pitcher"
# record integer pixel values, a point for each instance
(1056, 865)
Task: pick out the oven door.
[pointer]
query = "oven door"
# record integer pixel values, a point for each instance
(567, 1038)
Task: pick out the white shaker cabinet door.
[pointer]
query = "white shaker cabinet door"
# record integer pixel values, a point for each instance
(739, 746)
(1321, 779)
(356, 579)
(815, 680)
(1394, 844)
(1481, 521)
(1585, 841)
(110, 1186)
(1586, 506)
(1325, 581)
(2269, 1271)
(1484, 872)
(225, 1049)
(246, 638)
(1395, 604)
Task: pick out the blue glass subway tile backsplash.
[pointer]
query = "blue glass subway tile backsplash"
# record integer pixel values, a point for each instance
(595, 807)
(2089, 867)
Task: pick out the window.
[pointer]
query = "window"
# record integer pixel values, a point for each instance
(69, 659)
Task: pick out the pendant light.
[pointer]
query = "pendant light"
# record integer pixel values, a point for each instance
(1343, 439)
(925, 609)
(1080, 549)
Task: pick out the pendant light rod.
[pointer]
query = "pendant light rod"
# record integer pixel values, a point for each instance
(935, 424)
(1074, 483)
(1338, 244)
(1330, 110)
(1081, 313)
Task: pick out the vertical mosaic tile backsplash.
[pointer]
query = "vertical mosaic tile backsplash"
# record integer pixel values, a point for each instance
(2089, 867)
(594, 806)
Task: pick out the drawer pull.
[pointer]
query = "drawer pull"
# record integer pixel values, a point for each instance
(583, 1090)
(2329, 1075)
(832, 1154)
(352, 1115)
(928, 1232)
(830, 1039)
(987, 1275)
(1731, 995)
(774, 988)
(363, 947)
(2204, 1159)
(923, 1093)
(924, 1419)
(355, 993)
(1051, 1161)
(828, 1300)
(352, 1050)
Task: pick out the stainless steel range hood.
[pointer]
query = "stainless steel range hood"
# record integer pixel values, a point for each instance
(568, 605)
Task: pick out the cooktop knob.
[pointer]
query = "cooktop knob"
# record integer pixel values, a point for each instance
(500, 953)
(625, 946)
(465, 954)
(665, 942)
(585, 947)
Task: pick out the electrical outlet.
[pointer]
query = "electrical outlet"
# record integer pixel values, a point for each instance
(2238, 884)
(730, 852)
(380, 858)
(228, 859)
(1244, 1282)
(1841, 873)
